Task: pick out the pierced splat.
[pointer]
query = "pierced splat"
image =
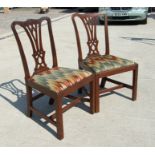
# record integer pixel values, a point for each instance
(90, 25)
(34, 33)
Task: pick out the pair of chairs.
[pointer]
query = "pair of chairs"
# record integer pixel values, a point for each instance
(59, 82)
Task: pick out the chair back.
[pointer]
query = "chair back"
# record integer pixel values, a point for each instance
(90, 21)
(33, 30)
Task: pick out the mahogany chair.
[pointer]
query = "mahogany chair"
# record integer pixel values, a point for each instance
(102, 65)
(56, 82)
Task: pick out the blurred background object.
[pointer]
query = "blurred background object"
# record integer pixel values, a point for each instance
(6, 10)
(124, 14)
(44, 10)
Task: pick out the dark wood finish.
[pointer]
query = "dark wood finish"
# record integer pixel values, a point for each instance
(107, 50)
(103, 82)
(119, 83)
(112, 88)
(33, 30)
(92, 97)
(90, 21)
(97, 93)
(59, 118)
(134, 83)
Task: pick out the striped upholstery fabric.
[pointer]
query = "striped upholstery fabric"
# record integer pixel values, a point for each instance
(60, 78)
(98, 63)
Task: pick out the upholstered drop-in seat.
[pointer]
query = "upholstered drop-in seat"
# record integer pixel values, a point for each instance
(58, 79)
(99, 63)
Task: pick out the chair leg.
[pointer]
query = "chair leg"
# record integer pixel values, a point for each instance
(29, 101)
(134, 82)
(97, 106)
(59, 118)
(92, 97)
(80, 90)
(103, 82)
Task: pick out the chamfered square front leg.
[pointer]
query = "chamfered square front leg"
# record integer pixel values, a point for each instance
(59, 118)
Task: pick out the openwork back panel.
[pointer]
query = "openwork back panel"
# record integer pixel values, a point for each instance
(33, 30)
(90, 23)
